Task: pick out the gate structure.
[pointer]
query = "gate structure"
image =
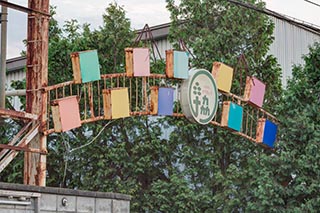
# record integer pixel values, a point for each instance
(201, 96)
(120, 95)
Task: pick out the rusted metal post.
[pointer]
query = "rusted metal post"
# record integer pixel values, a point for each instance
(37, 79)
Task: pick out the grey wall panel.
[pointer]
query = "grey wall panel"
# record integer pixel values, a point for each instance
(290, 44)
(163, 45)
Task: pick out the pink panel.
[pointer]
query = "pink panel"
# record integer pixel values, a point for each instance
(69, 113)
(257, 92)
(141, 62)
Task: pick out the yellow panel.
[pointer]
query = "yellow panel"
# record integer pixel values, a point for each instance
(223, 75)
(120, 103)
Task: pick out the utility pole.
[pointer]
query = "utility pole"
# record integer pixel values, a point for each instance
(37, 78)
(3, 67)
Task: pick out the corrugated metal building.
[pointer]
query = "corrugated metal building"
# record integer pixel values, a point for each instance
(15, 72)
(292, 40)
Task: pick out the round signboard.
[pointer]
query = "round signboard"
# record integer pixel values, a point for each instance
(199, 96)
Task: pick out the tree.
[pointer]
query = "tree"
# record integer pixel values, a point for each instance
(225, 169)
(193, 168)
(300, 124)
(67, 169)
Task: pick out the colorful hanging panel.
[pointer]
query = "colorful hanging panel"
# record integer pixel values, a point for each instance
(223, 75)
(65, 113)
(141, 62)
(266, 132)
(116, 103)
(137, 62)
(180, 64)
(165, 103)
(177, 64)
(161, 100)
(232, 115)
(254, 91)
(85, 66)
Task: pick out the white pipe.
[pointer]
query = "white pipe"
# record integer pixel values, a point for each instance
(13, 202)
(3, 67)
(20, 92)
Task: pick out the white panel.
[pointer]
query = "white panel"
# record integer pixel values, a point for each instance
(15, 76)
(163, 45)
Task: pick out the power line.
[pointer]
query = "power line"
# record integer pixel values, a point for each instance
(20, 8)
(311, 2)
(307, 26)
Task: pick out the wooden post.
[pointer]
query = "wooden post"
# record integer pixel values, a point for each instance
(129, 61)
(154, 100)
(37, 78)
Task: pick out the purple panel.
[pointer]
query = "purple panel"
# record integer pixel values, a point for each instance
(257, 92)
(141, 62)
(165, 102)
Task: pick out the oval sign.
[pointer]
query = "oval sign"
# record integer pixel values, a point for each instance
(199, 96)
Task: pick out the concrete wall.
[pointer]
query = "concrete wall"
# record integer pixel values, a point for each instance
(16, 198)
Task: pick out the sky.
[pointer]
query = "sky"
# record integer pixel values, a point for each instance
(140, 12)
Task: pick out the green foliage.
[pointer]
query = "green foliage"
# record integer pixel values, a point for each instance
(114, 35)
(13, 173)
(230, 172)
(300, 135)
(221, 31)
(171, 165)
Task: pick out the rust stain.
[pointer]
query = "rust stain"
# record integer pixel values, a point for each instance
(17, 114)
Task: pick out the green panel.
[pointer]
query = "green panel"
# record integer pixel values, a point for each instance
(235, 117)
(89, 66)
(180, 65)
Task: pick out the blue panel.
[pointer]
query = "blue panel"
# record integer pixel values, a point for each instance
(165, 101)
(270, 133)
(89, 66)
(235, 117)
(180, 64)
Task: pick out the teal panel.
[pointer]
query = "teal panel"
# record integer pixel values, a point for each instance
(235, 117)
(89, 66)
(180, 65)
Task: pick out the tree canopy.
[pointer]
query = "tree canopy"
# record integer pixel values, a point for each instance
(299, 145)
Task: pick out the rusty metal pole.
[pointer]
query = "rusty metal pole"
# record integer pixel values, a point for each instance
(3, 67)
(37, 78)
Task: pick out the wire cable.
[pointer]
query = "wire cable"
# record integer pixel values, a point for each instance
(87, 144)
(311, 2)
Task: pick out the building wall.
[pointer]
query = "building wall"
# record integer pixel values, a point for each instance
(15, 72)
(15, 198)
(290, 44)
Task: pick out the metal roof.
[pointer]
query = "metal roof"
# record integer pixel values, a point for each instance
(17, 63)
(161, 31)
